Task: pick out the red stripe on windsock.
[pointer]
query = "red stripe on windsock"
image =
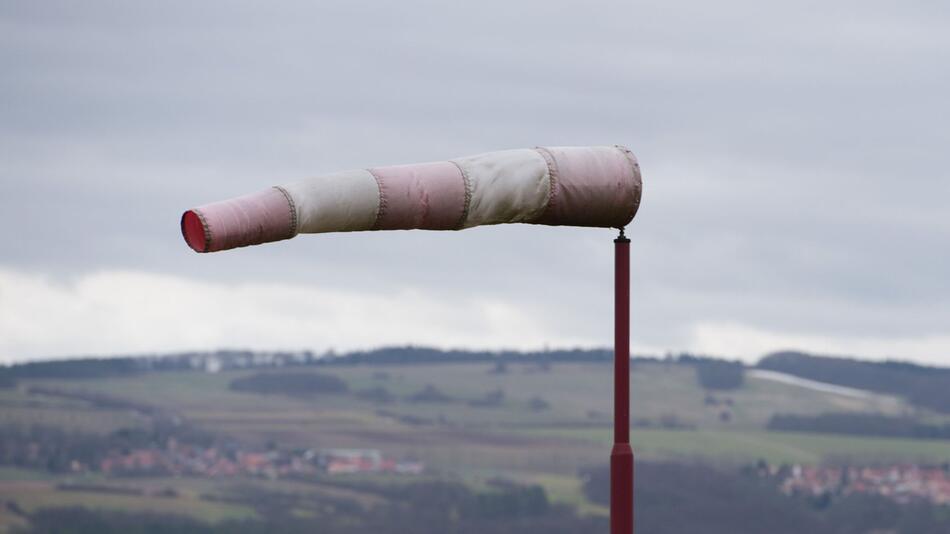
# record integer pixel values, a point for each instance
(428, 196)
(591, 186)
(249, 220)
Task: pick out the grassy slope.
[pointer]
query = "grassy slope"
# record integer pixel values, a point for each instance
(33, 495)
(578, 394)
(19, 408)
(774, 447)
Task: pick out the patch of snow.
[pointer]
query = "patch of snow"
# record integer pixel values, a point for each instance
(814, 385)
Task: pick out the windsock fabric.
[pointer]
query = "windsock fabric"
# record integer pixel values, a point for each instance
(570, 186)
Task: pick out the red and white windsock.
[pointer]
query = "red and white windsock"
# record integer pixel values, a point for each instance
(573, 186)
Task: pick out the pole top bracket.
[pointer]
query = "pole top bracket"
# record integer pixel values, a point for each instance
(622, 238)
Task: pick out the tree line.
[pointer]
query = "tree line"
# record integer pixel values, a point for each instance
(860, 424)
(712, 373)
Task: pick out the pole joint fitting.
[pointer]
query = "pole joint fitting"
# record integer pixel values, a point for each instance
(622, 238)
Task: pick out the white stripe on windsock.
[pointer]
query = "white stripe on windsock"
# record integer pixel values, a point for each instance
(510, 186)
(345, 201)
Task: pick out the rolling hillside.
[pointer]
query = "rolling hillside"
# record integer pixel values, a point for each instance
(535, 422)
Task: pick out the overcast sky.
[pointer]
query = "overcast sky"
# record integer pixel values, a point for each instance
(794, 157)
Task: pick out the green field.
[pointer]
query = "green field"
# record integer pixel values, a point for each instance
(31, 496)
(32, 491)
(773, 447)
(577, 394)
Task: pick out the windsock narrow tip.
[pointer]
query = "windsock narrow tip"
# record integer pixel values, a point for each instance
(193, 231)
(260, 217)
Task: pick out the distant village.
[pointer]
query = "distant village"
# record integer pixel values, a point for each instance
(179, 459)
(901, 483)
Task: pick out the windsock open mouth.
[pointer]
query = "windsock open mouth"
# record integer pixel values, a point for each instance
(194, 231)
(558, 186)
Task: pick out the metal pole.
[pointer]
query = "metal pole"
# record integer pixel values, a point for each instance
(621, 457)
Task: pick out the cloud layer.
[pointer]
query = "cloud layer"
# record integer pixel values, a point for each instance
(125, 312)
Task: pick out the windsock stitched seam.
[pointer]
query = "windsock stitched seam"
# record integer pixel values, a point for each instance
(553, 180)
(381, 210)
(293, 209)
(205, 227)
(635, 170)
(467, 201)
(631, 159)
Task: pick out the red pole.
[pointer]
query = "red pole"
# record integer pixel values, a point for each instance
(621, 457)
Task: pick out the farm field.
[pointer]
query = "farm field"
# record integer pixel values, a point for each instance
(741, 447)
(575, 393)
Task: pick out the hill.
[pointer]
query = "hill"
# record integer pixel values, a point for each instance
(144, 436)
(924, 386)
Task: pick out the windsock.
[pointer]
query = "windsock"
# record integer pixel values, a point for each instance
(570, 186)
